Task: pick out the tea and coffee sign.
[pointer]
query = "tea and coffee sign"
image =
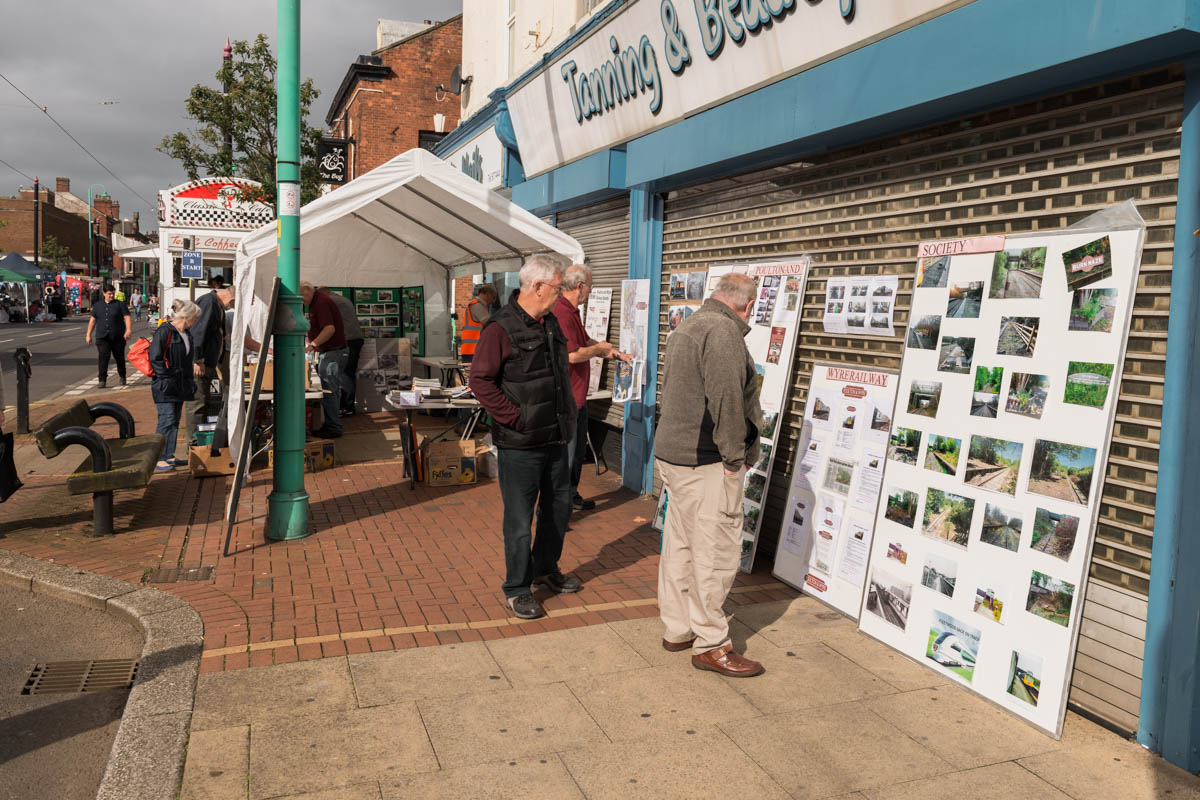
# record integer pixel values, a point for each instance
(658, 61)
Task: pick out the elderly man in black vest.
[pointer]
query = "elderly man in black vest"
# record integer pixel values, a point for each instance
(519, 375)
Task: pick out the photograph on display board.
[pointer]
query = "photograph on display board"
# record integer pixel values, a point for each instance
(1001, 527)
(989, 603)
(391, 308)
(384, 296)
(955, 354)
(881, 422)
(377, 308)
(947, 517)
(1025, 676)
(1018, 336)
(965, 300)
(903, 445)
(820, 409)
(836, 291)
(939, 573)
(1087, 383)
(769, 420)
(677, 314)
(764, 456)
(1063, 471)
(941, 454)
(1050, 598)
(678, 282)
(953, 645)
(993, 464)
(924, 397)
(901, 507)
(695, 285)
(755, 483)
(1054, 534)
(1093, 310)
(1027, 394)
(896, 552)
(985, 399)
(839, 475)
(750, 515)
(888, 598)
(1018, 273)
(1088, 263)
(362, 308)
(923, 334)
(932, 272)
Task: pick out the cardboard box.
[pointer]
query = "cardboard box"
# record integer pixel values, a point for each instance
(268, 381)
(450, 463)
(486, 461)
(319, 454)
(204, 464)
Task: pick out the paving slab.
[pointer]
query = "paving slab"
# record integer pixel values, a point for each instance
(659, 701)
(254, 695)
(694, 764)
(563, 655)
(527, 777)
(147, 759)
(218, 764)
(963, 729)
(645, 637)
(825, 752)
(1005, 781)
(877, 658)
(790, 622)
(334, 749)
(494, 726)
(804, 676)
(402, 675)
(360, 791)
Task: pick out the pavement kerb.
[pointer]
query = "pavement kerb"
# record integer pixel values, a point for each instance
(147, 755)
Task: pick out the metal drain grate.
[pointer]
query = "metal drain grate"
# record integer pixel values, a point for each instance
(175, 575)
(75, 677)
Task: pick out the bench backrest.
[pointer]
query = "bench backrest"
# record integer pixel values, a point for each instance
(75, 415)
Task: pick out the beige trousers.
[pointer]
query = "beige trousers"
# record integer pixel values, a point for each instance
(702, 545)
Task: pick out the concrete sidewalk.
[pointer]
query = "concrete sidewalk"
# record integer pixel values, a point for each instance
(604, 712)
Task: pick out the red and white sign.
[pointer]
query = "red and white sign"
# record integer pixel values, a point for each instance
(1087, 264)
(209, 243)
(216, 203)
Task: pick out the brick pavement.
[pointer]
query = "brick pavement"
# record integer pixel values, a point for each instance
(388, 567)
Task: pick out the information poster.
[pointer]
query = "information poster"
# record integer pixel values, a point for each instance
(595, 322)
(997, 456)
(771, 342)
(865, 306)
(830, 513)
(635, 316)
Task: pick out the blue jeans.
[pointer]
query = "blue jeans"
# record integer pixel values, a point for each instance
(524, 475)
(168, 426)
(331, 365)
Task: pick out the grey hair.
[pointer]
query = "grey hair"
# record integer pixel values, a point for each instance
(736, 289)
(576, 275)
(542, 267)
(185, 309)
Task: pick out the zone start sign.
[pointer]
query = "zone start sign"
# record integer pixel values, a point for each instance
(191, 264)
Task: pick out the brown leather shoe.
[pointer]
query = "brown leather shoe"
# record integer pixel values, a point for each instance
(675, 647)
(728, 663)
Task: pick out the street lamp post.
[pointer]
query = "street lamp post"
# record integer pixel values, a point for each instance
(90, 188)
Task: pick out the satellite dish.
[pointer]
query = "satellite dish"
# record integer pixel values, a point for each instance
(457, 81)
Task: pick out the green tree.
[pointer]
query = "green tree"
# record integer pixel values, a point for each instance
(52, 252)
(248, 114)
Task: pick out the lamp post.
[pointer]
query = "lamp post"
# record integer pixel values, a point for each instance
(105, 191)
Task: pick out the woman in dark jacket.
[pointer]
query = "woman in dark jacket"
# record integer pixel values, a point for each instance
(171, 359)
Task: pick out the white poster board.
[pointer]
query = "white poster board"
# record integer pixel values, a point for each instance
(830, 515)
(595, 322)
(635, 317)
(997, 459)
(771, 342)
(865, 306)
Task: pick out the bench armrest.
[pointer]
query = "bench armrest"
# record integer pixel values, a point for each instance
(101, 456)
(118, 412)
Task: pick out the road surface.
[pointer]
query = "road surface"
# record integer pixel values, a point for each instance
(1023, 283)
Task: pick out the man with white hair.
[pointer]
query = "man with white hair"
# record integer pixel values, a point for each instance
(707, 434)
(519, 376)
(581, 349)
(208, 348)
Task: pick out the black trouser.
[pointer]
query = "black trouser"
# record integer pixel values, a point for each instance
(524, 474)
(113, 346)
(351, 376)
(577, 452)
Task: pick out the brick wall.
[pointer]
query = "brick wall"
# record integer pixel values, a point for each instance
(385, 117)
(69, 229)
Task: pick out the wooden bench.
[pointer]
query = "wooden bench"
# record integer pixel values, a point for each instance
(117, 464)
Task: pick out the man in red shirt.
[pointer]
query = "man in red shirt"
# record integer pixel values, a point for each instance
(581, 349)
(327, 338)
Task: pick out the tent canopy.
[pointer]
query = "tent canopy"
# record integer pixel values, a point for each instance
(8, 276)
(15, 262)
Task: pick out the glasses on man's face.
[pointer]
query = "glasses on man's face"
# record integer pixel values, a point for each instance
(557, 287)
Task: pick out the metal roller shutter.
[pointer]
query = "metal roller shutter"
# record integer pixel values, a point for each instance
(603, 232)
(1038, 166)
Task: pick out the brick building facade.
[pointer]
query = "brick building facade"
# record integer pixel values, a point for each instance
(17, 235)
(387, 101)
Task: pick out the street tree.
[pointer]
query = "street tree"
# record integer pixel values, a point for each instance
(52, 252)
(247, 114)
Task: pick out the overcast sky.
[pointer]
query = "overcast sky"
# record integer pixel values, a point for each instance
(75, 58)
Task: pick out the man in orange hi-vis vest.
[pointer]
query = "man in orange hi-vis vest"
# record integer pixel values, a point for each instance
(478, 311)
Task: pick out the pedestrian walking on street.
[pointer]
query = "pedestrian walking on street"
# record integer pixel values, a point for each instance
(519, 375)
(354, 344)
(135, 305)
(707, 435)
(327, 338)
(581, 349)
(207, 336)
(112, 326)
(174, 382)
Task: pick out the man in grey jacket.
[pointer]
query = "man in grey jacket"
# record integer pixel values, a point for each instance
(707, 435)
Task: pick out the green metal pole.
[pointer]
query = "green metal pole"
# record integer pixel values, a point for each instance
(287, 505)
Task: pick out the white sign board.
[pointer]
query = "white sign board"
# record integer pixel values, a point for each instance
(658, 61)
(830, 514)
(997, 458)
(635, 316)
(481, 158)
(864, 306)
(595, 322)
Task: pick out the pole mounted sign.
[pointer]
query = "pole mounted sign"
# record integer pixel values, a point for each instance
(331, 160)
(192, 264)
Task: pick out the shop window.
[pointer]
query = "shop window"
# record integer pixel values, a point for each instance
(427, 139)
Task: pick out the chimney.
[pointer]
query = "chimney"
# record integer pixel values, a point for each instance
(62, 185)
(136, 227)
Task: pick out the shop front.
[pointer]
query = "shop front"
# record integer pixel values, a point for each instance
(851, 133)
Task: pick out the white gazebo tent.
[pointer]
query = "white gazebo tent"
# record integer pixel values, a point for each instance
(413, 220)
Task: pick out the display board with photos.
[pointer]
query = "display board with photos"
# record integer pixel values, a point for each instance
(596, 316)
(383, 313)
(412, 317)
(863, 305)
(635, 316)
(774, 322)
(997, 456)
(830, 513)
